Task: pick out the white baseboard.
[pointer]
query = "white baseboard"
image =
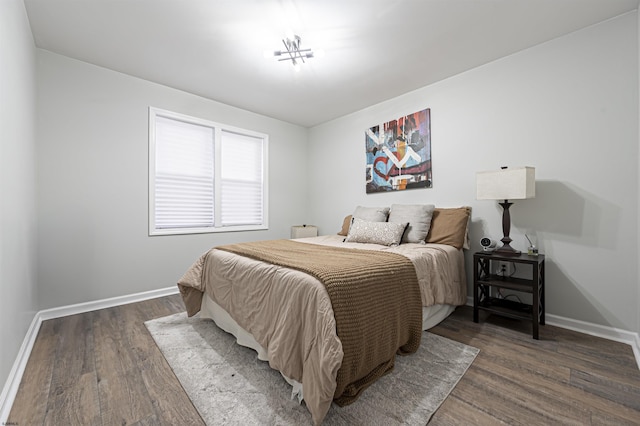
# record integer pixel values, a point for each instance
(80, 308)
(10, 388)
(636, 349)
(617, 335)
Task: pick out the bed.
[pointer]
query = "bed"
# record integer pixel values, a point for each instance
(286, 314)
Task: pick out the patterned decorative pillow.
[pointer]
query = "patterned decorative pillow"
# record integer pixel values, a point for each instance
(384, 233)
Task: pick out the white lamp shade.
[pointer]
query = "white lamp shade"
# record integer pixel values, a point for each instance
(514, 183)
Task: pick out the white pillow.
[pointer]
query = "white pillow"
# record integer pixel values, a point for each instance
(419, 218)
(384, 233)
(372, 214)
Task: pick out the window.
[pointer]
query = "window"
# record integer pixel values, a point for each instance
(205, 176)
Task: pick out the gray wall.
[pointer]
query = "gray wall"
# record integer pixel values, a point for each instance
(17, 181)
(569, 107)
(93, 174)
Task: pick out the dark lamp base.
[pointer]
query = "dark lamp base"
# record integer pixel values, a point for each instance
(507, 251)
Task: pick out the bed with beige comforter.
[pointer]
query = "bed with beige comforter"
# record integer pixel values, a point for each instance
(288, 309)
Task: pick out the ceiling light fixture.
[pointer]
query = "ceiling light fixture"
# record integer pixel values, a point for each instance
(293, 52)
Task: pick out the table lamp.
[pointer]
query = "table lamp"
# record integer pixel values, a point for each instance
(515, 183)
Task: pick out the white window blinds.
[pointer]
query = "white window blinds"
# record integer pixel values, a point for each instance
(184, 175)
(204, 177)
(241, 179)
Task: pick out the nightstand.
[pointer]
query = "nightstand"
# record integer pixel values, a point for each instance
(484, 281)
(304, 231)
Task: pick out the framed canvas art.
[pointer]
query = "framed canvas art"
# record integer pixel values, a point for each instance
(399, 154)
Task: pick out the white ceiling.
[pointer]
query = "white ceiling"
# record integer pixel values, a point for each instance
(374, 49)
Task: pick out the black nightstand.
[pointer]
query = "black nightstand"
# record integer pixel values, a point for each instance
(484, 280)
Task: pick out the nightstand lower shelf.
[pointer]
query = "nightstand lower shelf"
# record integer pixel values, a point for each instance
(507, 308)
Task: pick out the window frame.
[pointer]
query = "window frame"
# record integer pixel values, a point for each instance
(218, 128)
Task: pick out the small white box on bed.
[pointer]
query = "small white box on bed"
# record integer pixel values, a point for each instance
(304, 231)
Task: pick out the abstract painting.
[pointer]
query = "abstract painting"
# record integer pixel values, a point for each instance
(399, 153)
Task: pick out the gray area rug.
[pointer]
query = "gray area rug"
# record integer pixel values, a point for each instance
(229, 385)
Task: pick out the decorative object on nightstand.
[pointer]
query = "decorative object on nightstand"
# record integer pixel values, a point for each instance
(488, 244)
(484, 281)
(304, 231)
(532, 250)
(516, 183)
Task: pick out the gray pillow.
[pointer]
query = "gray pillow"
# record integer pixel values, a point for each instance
(372, 214)
(384, 233)
(419, 218)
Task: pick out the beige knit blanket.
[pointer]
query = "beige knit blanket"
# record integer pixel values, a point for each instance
(375, 298)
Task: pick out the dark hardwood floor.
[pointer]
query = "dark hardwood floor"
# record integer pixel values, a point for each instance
(103, 367)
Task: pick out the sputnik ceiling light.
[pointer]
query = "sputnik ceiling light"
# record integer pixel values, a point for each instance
(293, 52)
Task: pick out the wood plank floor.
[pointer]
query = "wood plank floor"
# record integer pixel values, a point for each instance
(103, 368)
